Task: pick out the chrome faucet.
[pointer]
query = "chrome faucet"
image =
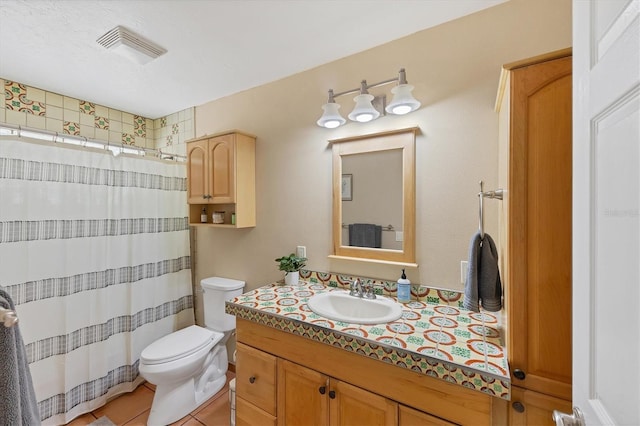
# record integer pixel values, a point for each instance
(369, 292)
(355, 288)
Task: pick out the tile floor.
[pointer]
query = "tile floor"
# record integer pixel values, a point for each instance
(132, 409)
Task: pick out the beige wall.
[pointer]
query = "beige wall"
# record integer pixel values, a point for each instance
(455, 68)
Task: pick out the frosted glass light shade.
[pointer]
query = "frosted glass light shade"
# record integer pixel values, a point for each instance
(403, 101)
(331, 118)
(364, 110)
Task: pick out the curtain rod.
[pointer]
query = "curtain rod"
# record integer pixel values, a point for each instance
(55, 137)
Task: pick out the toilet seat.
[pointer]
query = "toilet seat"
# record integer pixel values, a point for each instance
(179, 344)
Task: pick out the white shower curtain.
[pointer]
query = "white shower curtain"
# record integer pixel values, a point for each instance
(94, 251)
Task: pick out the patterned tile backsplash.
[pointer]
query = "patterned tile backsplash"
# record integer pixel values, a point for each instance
(32, 107)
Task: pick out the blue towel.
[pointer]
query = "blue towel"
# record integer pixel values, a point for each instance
(18, 404)
(365, 235)
(483, 286)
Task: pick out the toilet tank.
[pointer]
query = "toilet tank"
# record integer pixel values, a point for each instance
(215, 291)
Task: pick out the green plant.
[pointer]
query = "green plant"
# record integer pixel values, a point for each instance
(291, 263)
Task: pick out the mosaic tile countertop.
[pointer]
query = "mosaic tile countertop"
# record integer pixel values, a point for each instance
(434, 336)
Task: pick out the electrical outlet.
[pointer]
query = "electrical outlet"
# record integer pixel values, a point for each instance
(399, 235)
(301, 251)
(464, 267)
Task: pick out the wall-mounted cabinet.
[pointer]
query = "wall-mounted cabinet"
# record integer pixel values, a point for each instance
(221, 178)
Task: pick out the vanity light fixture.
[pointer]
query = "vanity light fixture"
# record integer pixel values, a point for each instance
(331, 117)
(364, 110)
(402, 103)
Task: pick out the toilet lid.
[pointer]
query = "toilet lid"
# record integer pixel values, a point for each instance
(179, 344)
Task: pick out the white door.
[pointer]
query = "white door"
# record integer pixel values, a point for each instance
(606, 218)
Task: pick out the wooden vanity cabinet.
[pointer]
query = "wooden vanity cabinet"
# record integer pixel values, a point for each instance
(323, 385)
(221, 177)
(535, 159)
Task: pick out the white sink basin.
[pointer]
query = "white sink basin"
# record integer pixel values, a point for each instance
(340, 306)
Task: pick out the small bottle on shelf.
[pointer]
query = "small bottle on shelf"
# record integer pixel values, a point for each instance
(203, 215)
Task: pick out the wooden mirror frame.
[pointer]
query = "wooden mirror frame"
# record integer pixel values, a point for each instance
(403, 139)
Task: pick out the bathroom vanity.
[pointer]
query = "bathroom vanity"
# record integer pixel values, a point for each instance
(437, 365)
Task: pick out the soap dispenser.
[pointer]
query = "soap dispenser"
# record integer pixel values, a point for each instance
(404, 289)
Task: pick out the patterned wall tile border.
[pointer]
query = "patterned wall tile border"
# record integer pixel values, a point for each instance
(65, 115)
(87, 108)
(15, 99)
(423, 364)
(430, 295)
(173, 131)
(71, 128)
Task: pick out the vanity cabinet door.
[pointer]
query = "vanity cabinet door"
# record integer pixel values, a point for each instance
(256, 378)
(532, 408)
(350, 405)
(302, 395)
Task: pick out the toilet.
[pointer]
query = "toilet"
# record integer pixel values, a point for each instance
(189, 366)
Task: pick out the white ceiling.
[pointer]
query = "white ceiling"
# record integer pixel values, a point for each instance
(215, 47)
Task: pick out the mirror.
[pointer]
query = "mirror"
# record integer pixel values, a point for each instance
(374, 197)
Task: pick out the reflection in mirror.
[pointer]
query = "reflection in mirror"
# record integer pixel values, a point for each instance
(374, 197)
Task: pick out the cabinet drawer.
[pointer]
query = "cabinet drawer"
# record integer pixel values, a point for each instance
(256, 378)
(249, 415)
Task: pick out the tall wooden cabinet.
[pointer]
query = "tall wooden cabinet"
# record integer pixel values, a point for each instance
(221, 177)
(536, 154)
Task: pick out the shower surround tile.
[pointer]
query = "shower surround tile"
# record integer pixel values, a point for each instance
(15, 99)
(71, 128)
(140, 126)
(102, 123)
(174, 131)
(80, 117)
(87, 108)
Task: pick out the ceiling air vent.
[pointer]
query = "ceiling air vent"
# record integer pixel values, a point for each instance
(131, 45)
